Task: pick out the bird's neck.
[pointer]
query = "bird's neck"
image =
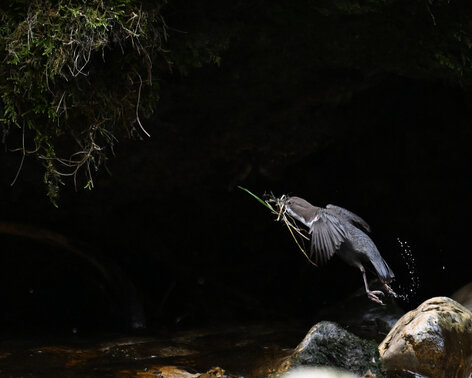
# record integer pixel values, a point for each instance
(305, 216)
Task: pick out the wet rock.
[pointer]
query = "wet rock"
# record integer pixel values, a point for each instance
(363, 317)
(464, 296)
(318, 372)
(215, 372)
(171, 372)
(327, 344)
(158, 371)
(434, 340)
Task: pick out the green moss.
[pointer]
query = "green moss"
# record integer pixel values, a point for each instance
(76, 75)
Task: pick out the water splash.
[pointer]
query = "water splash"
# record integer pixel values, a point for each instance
(409, 288)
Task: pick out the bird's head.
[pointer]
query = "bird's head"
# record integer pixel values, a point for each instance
(297, 203)
(298, 208)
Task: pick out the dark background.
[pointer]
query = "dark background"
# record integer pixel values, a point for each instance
(336, 105)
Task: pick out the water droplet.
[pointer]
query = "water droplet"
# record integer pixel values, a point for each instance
(410, 287)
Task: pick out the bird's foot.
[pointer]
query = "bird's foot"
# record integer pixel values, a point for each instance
(373, 296)
(390, 291)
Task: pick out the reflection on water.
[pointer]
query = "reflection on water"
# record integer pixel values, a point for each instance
(408, 289)
(242, 351)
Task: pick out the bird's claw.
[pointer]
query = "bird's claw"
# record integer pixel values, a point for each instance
(377, 292)
(373, 296)
(390, 291)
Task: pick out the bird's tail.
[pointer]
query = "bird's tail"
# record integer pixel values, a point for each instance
(383, 271)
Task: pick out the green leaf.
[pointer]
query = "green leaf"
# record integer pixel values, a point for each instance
(265, 203)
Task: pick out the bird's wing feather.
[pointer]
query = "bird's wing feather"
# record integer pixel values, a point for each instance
(327, 235)
(350, 216)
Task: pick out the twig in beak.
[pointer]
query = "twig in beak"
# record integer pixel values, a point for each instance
(296, 241)
(281, 212)
(297, 229)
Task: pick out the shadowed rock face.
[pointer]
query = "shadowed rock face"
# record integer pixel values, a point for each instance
(434, 340)
(327, 344)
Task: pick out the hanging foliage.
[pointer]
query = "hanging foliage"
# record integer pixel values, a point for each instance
(77, 75)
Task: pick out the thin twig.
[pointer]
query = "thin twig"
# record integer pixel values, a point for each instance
(59, 104)
(301, 249)
(22, 156)
(137, 106)
(280, 202)
(297, 229)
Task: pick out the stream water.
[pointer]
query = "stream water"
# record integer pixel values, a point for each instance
(241, 351)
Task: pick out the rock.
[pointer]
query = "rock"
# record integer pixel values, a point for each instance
(363, 317)
(215, 372)
(327, 344)
(162, 371)
(172, 372)
(464, 296)
(434, 340)
(318, 372)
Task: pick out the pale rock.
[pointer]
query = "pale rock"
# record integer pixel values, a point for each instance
(434, 340)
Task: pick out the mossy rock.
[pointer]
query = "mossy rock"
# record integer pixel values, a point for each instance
(327, 344)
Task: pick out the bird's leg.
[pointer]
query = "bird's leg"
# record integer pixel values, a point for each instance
(372, 294)
(389, 290)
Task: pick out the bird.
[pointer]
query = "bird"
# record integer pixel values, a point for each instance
(335, 230)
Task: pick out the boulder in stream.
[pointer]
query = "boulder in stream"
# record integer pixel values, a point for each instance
(434, 340)
(363, 317)
(327, 344)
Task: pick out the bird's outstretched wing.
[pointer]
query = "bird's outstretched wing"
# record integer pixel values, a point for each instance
(350, 217)
(327, 235)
